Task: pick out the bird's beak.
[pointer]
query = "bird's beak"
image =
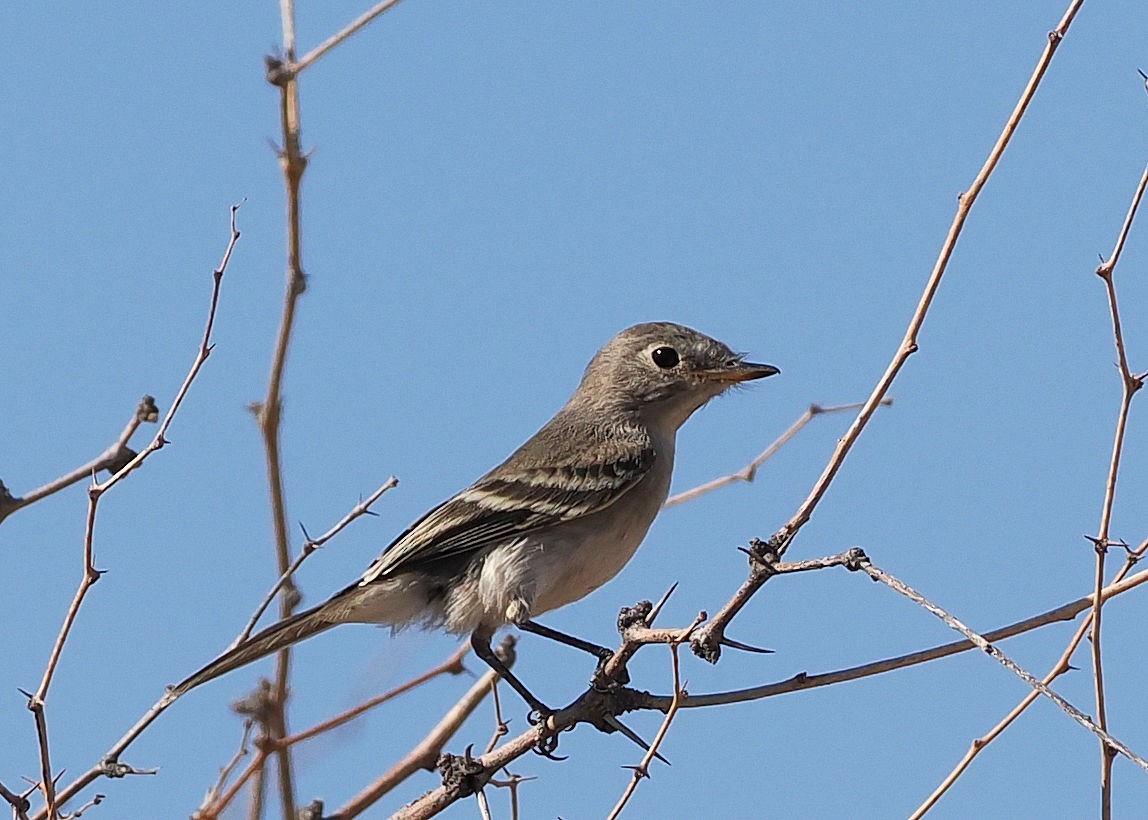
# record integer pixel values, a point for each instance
(738, 372)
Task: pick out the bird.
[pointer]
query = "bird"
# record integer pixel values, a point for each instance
(561, 516)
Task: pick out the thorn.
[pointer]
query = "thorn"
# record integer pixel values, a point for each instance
(658, 606)
(619, 726)
(744, 647)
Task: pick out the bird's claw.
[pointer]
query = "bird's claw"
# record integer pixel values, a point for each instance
(539, 714)
(547, 746)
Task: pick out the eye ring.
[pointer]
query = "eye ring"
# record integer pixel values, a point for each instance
(665, 357)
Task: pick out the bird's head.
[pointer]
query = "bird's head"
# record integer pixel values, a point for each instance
(666, 369)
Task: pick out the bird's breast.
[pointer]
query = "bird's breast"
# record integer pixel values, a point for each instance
(570, 561)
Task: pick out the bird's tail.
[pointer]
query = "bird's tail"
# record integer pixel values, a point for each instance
(287, 632)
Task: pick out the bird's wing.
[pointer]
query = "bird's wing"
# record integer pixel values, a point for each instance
(510, 502)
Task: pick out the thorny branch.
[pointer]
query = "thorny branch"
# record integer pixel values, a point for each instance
(293, 163)
(896, 585)
(309, 546)
(1059, 668)
(110, 459)
(749, 472)
(909, 345)
(37, 701)
(603, 699)
(428, 752)
(1130, 384)
(642, 770)
(110, 765)
(708, 640)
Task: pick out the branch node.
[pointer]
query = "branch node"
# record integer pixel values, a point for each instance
(312, 811)
(147, 411)
(635, 615)
(112, 768)
(762, 557)
(856, 559)
(279, 72)
(1100, 545)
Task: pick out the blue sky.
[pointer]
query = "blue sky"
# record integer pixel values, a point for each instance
(494, 190)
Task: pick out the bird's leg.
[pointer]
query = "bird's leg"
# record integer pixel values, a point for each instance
(480, 642)
(602, 653)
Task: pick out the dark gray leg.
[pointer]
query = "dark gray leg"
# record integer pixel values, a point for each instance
(481, 645)
(600, 652)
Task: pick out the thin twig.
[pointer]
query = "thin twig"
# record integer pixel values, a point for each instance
(293, 163)
(309, 546)
(483, 805)
(218, 801)
(224, 773)
(451, 666)
(18, 802)
(909, 344)
(1062, 665)
(707, 641)
(877, 574)
(749, 472)
(501, 727)
(515, 747)
(110, 459)
(353, 27)
(426, 753)
(1130, 384)
(642, 770)
(82, 810)
(36, 702)
(257, 764)
(803, 680)
(512, 783)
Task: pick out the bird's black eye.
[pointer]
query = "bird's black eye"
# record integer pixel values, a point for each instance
(665, 357)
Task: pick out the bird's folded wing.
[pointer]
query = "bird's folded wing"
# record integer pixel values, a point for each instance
(508, 503)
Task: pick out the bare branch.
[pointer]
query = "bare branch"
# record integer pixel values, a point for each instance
(90, 574)
(293, 163)
(784, 537)
(896, 585)
(309, 546)
(451, 666)
(1130, 384)
(641, 771)
(426, 754)
(587, 708)
(1059, 668)
(213, 793)
(356, 25)
(110, 459)
(749, 471)
(18, 802)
